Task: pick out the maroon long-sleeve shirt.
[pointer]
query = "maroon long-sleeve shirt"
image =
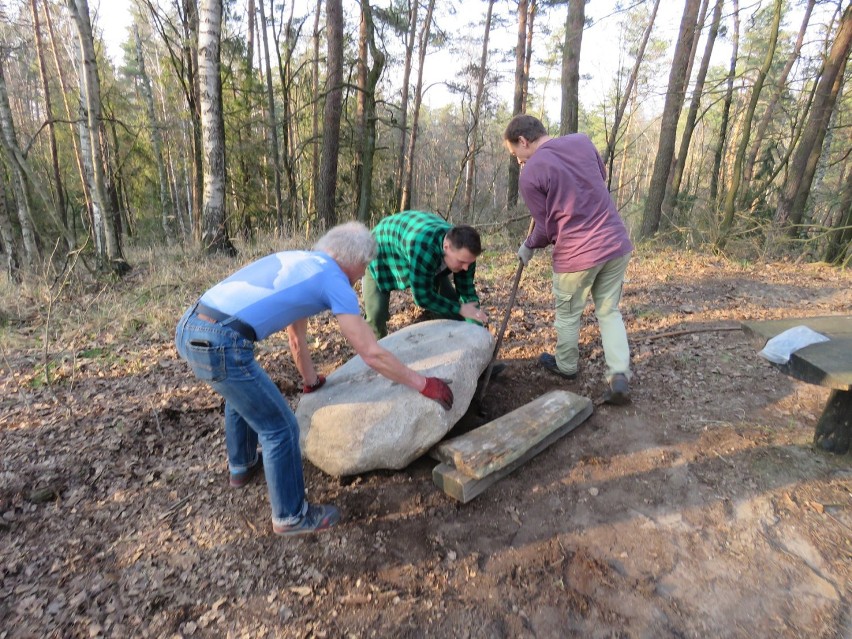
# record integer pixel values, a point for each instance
(563, 184)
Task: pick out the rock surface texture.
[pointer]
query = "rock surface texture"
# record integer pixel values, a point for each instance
(360, 421)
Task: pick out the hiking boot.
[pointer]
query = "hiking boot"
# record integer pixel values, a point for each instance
(319, 517)
(619, 390)
(239, 480)
(548, 361)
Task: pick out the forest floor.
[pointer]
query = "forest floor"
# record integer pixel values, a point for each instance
(699, 510)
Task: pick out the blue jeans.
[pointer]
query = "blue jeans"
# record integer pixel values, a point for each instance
(254, 410)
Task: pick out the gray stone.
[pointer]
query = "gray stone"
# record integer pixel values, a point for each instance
(360, 421)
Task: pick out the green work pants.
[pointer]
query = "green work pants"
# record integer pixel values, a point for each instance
(571, 290)
(377, 302)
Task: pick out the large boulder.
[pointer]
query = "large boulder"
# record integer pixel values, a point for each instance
(360, 421)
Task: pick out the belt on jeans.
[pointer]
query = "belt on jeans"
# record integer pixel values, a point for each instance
(227, 320)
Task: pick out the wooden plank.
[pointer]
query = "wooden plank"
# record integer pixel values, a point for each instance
(463, 487)
(498, 443)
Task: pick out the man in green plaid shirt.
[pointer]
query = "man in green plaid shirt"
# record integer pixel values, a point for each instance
(420, 250)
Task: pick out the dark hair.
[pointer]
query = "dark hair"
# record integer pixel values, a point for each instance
(465, 236)
(525, 126)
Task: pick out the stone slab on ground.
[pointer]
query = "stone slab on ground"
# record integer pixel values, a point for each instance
(360, 421)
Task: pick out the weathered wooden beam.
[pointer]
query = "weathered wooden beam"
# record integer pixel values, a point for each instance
(498, 443)
(507, 443)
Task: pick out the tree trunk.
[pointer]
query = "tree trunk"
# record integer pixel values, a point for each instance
(576, 20)
(791, 204)
(477, 110)
(668, 126)
(692, 115)
(840, 239)
(11, 263)
(403, 110)
(92, 94)
(326, 209)
(78, 155)
(61, 213)
(729, 205)
(250, 27)
(315, 144)
(272, 124)
(518, 102)
(621, 105)
(405, 200)
(214, 236)
(532, 8)
(167, 214)
(11, 155)
(362, 63)
(291, 211)
(780, 86)
(371, 80)
(716, 173)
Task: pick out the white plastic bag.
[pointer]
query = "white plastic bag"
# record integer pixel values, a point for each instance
(779, 348)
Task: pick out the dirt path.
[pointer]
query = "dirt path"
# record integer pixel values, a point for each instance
(698, 511)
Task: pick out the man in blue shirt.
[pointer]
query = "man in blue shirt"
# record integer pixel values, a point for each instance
(216, 337)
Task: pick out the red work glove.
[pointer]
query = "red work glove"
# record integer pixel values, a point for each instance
(310, 388)
(439, 391)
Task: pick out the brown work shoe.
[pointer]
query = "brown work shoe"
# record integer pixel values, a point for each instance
(618, 393)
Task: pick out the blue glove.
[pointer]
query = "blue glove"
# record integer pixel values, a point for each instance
(525, 253)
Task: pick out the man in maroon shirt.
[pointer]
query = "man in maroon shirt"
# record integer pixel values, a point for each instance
(563, 183)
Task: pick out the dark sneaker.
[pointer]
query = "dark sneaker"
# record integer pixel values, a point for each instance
(619, 390)
(238, 480)
(548, 361)
(319, 517)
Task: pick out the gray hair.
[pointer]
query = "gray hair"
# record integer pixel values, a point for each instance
(350, 244)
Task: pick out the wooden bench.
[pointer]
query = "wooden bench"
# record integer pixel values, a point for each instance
(825, 364)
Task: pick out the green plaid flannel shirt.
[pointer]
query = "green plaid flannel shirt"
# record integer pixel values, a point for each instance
(411, 254)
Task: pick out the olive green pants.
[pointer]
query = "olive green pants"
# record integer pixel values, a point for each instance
(571, 290)
(377, 302)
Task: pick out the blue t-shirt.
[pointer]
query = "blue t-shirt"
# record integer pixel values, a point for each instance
(275, 291)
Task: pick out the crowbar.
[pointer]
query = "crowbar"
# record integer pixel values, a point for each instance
(487, 375)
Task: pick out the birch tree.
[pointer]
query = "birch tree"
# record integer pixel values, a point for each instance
(214, 236)
(20, 187)
(112, 257)
(166, 212)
